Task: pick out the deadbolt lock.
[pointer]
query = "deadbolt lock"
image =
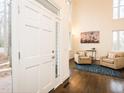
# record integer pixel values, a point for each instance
(52, 51)
(53, 57)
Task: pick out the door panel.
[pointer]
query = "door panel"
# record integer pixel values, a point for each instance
(48, 58)
(29, 46)
(29, 43)
(30, 81)
(46, 77)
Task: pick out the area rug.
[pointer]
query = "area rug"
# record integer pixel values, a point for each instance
(99, 69)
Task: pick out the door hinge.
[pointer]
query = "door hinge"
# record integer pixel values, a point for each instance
(18, 9)
(19, 55)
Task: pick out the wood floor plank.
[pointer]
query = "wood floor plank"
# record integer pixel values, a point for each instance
(86, 82)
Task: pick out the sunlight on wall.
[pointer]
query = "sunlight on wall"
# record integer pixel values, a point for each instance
(75, 37)
(75, 29)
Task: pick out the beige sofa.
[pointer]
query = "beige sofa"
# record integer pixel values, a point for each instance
(113, 60)
(81, 58)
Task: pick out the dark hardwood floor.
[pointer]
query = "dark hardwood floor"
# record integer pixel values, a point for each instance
(86, 82)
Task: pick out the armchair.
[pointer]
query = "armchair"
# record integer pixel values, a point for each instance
(114, 60)
(82, 58)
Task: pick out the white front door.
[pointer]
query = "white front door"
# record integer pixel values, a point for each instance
(36, 48)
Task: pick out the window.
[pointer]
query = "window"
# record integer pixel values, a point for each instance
(4, 23)
(1, 22)
(118, 40)
(118, 9)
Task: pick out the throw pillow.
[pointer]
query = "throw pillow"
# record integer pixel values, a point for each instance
(111, 55)
(82, 53)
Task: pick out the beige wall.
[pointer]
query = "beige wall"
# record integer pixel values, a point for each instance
(94, 15)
